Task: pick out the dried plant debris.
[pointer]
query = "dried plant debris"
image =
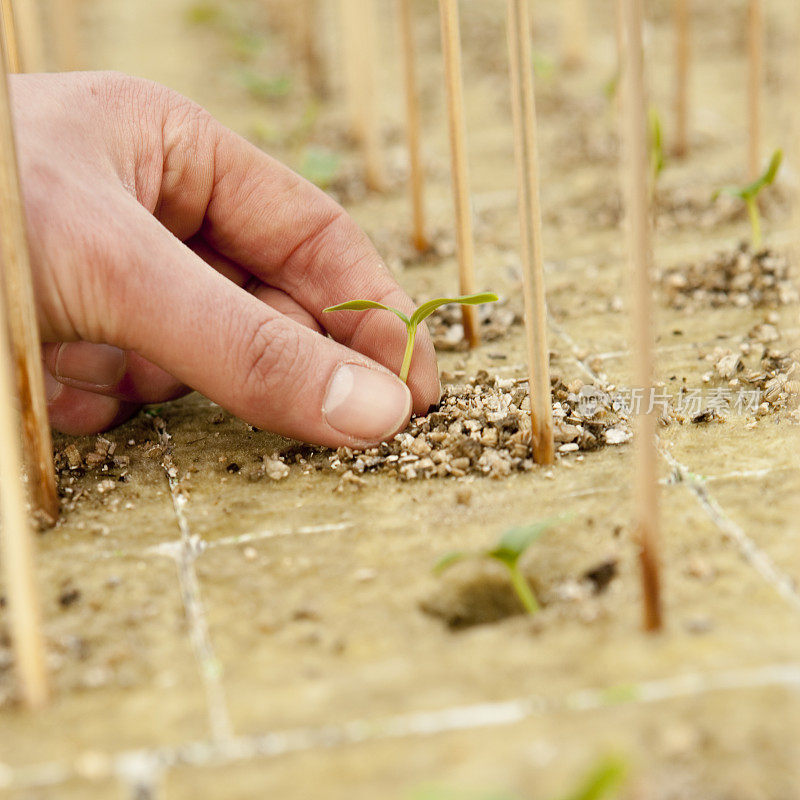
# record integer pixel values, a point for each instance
(480, 428)
(495, 321)
(71, 464)
(739, 277)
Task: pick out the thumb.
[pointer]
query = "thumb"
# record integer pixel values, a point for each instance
(173, 309)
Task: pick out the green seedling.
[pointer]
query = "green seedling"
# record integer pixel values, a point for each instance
(411, 323)
(749, 194)
(320, 166)
(261, 88)
(606, 777)
(508, 551)
(656, 140)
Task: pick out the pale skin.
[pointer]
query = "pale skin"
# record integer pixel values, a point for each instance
(169, 253)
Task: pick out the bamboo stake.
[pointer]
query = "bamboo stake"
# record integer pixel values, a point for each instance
(530, 216)
(304, 20)
(65, 33)
(680, 11)
(16, 536)
(574, 33)
(639, 255)
(417, 175)
(9, 33)
(23, 324)
(29, 35)
(755, 60)
(359, 31)
(451, 49)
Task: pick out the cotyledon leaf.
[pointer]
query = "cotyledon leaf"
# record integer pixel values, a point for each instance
(426, 309)
(364, 305)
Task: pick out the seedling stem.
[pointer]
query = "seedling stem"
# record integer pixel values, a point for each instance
(749, 195)
(508, 551)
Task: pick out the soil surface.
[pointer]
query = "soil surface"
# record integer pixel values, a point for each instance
(230, 614)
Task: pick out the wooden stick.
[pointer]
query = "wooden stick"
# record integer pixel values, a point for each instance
(359, 29)
(574, 33)
(29, 36)
(417, 173)
(23, 324)
(16, 536)
(639, 256)
(8, 30)
(530, 217)
(755, 78)
(680, 10)
(454, 86)
(304, 19)
(65, 30)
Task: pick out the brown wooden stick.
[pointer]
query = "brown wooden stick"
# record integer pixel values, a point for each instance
(29, 36)
(65, 27)
(454, 87)
(8, 30)
(755, 78)
(530, 216)
(680, 10)
(16, 536)
(416, 169)
(359, 29)
(639, 256)
(23, 324)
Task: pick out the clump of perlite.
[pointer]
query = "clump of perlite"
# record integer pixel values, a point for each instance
(756, 379)
(483, 428)
(740, 277)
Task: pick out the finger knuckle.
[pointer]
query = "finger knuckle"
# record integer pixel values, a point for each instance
(272, 356)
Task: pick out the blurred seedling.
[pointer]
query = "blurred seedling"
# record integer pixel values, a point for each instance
(603, 781)
(749, 195)
(411, 323)
(508, 551)
(262, 88)
(656, 144)
(606, 777)
(320, 166)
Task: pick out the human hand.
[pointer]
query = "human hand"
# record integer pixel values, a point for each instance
(168, 253)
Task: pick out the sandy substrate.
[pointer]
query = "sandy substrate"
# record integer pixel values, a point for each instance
(287, 637)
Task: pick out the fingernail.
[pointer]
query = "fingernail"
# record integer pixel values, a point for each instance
(52, 388)
(366, 404)
(96, 365)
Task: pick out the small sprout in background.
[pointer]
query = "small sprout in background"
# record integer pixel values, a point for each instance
(411, 323)
(508, 551)
(203, 12)
(656, 140)
(606, 777)
(749, 194)
(262, 88)
(611, 86)
(601, 783)
(544, 67)
(320, 166)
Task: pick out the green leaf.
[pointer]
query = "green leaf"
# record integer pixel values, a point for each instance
(445, 562)
(320, 166)
(607, 776)
(426, 309)
(767, 178)
(513, 543)
(364, 305)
